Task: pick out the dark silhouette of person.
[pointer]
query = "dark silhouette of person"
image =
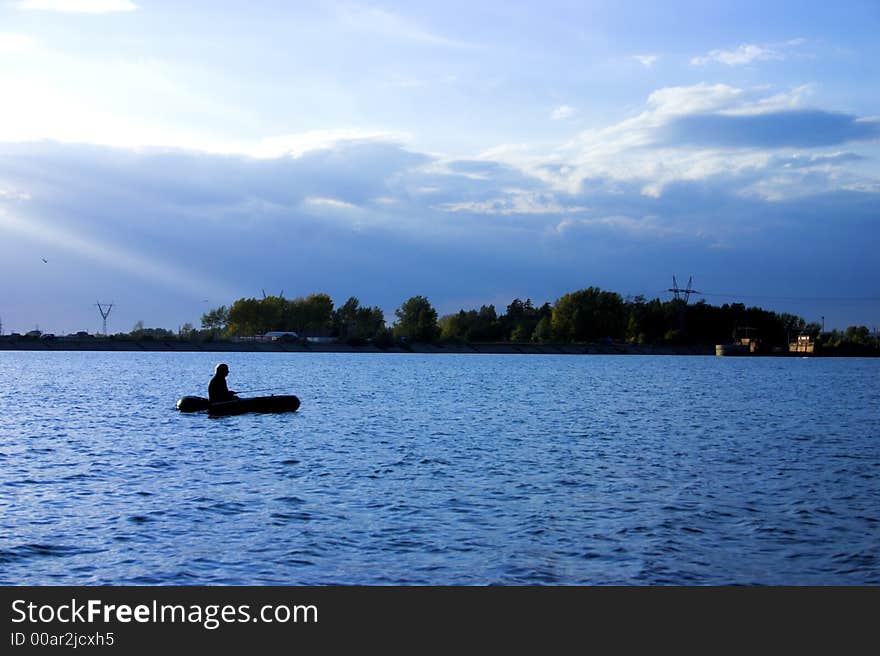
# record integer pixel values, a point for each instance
(217, 390)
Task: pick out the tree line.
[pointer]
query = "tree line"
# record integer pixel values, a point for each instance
(586, 315)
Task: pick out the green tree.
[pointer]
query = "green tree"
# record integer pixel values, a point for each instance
(857, 335)
(346, 316)
(318, 312)
(453, 327)
(417, 320)
(351, 321)
(544, 330)
(486, 328)
(215, 320)
(249, 316)
(272, 310)
(370, 322)
(149, 334)
(589, 314)
(246, 318)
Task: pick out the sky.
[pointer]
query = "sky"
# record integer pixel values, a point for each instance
(172, 157)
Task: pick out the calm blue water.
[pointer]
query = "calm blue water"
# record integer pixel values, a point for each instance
(441, 469)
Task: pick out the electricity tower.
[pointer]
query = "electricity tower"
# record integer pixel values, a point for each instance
(104, 309)
(683, 294)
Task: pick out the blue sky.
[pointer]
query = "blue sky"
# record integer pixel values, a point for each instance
(171, 157)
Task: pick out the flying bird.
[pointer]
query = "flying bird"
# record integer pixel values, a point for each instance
(45, 261)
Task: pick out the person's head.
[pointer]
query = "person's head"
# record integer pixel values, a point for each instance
(221, 369)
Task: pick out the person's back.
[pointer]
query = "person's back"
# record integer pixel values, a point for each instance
(217, 389)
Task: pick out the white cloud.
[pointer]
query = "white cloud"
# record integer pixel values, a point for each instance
(321, 202)
(15, 44)
(373, 20)
(297, 145)
(79, 6)
(515, 201)
(632, 154)
(47, 108)
(562, 112)
(645, 226)
(748, 53)
(624, 158)
(358, 218)
(697, 98)
(13, 194)
(646, 60)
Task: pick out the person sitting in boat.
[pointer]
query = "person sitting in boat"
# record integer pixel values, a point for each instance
(217, 390)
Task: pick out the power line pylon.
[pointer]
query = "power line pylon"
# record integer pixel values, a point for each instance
(683, 294)
(105, 312)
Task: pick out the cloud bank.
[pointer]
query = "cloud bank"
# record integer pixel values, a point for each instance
(79, 6)
(724, 183)
(747, 53)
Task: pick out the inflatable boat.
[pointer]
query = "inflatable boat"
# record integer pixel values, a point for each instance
(239, 406)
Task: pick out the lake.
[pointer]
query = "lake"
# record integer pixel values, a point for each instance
(441, 469)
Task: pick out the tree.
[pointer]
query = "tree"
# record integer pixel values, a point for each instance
(318, 312)
(544, 330)
(249, 316)
(215, 320)
(519, 321)
(486, 328)
(480, 325)
(148, 334)
(246, 318)
(345, 317)
(589, 314)
(857, 335)
(453, 326)
(370, 322)
(417, 320)
(351, 321)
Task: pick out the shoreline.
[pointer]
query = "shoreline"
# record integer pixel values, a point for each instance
(338, 347)
(497, 348)
(298, 347)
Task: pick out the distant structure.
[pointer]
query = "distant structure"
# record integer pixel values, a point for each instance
(683, 294)
(1, 325)
(104, 309)
(280, 335)
(803, 344)
(741, 345)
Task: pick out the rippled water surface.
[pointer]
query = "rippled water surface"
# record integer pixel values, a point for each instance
(441, 469)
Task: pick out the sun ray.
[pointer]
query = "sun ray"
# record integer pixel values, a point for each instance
(115, 256)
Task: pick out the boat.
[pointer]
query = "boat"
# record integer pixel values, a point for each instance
(192, 404)
(239, 406)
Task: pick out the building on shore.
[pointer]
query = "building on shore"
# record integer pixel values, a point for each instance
(318, 336)
(747, 345)
(803, 344)
(275, 335)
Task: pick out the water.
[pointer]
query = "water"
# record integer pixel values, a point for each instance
(441, 469)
